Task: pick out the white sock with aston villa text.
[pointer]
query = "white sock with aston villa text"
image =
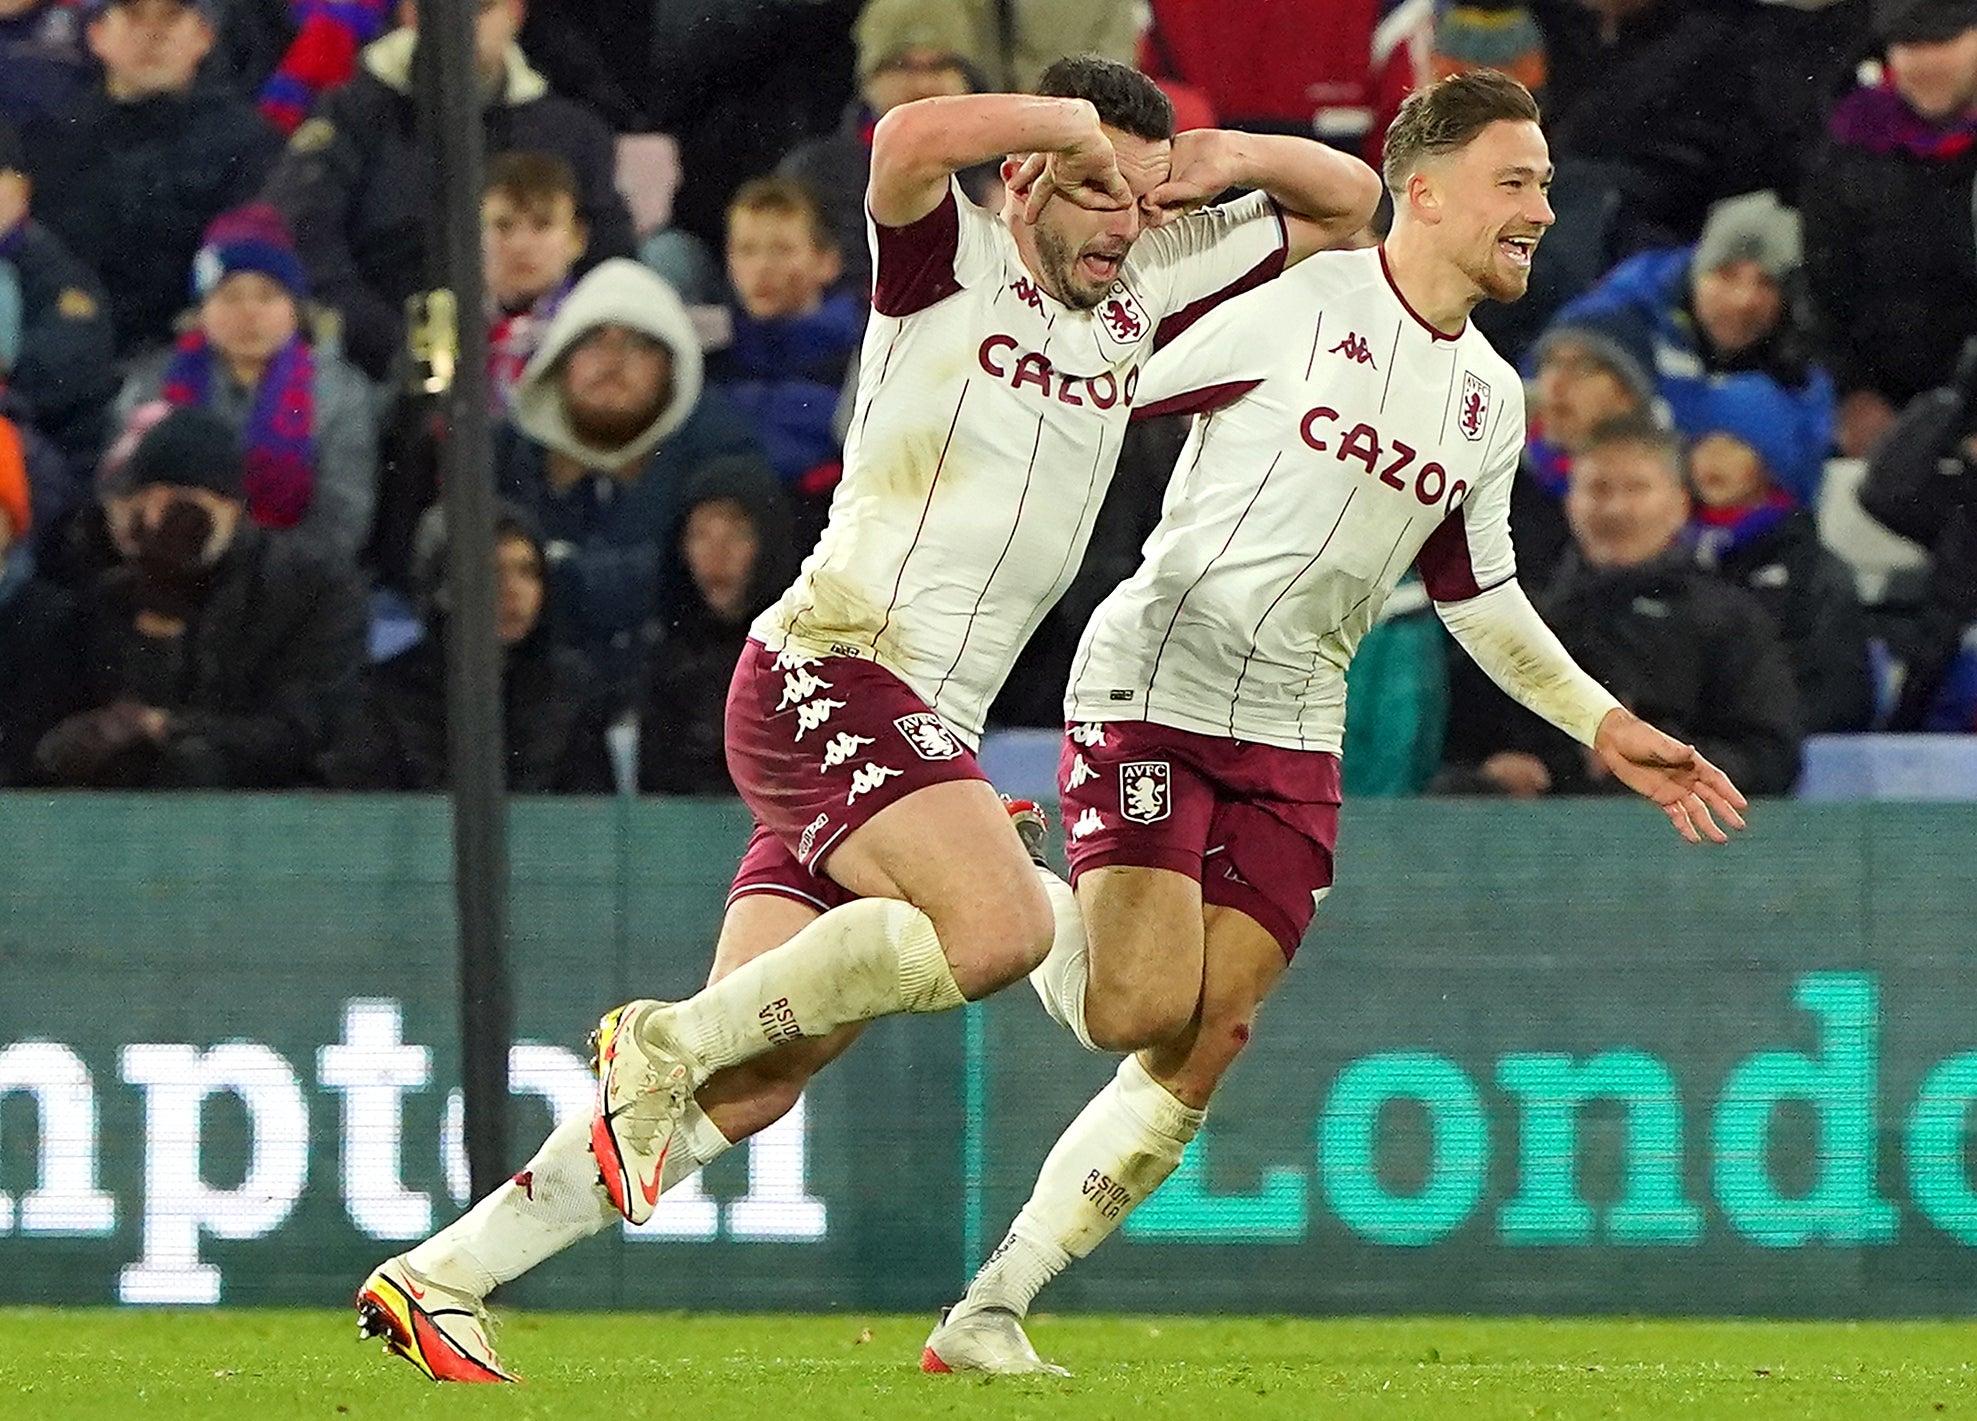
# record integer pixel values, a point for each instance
(1116, 1153)
(869, 958)
(1061, 978)
(555, 1200)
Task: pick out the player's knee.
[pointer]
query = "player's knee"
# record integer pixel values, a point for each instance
(1129, 1020)
(996, 944)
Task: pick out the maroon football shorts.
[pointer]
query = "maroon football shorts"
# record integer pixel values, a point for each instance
(1254, 824)
(817, 746)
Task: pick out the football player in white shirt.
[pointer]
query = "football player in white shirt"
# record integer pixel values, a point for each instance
(1352, 422)
(1002, 360)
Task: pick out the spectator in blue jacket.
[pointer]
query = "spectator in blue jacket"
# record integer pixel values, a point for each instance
(794, 336)
(610, 423)
(1716, 326)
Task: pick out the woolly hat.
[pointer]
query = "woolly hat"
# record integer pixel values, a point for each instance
(1754, 227)
(1602, 346)
(250, 238)
(888, 28)
(188, 448)
(15, 505)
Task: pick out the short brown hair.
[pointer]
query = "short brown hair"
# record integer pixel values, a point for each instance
(1124, 97)
(531, 180)
(1446, 115)
(789, 197)
(1639, 431)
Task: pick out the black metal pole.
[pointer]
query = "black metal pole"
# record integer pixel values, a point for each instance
(475, 742)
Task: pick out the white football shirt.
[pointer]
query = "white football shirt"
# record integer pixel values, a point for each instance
(987, 423)
(1339, 439)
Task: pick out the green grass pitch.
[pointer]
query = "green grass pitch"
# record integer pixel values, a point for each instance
(268, 1365)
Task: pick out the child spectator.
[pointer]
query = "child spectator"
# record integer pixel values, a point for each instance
(552, 716)
(793, 338)
(301, 414)
(1755, 534)
(733, 556)
(531, 241)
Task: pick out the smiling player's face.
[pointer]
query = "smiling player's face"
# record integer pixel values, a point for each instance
(1493, 205)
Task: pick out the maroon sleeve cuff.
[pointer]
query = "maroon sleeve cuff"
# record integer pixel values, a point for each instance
(916, 262)
(1444, 562)
(1203, 401)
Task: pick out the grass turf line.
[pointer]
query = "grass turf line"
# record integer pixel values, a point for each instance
(81, 1364)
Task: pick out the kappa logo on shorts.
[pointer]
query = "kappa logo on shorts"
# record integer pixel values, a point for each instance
(842, 747)
(1081, 773)
(869, 777)
(800, 685)
(1144, 796)
(1088, 823)
(928, 735)
(812, 714)
(808, 838)
(1088, 733)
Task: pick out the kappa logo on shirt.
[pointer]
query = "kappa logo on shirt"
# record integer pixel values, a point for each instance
(929, 737)
(1026, 292)
(1144, 796)
(1355, 349)
(1474, 409)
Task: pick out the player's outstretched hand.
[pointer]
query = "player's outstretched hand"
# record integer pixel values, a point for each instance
(1088, 177)
(1692, 792)
(1203, 166)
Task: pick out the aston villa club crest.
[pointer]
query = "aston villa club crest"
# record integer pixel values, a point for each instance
(1472, 411)
(1121, 315)
(928, 735)
(1145, 791)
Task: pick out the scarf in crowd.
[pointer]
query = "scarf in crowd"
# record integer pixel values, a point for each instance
(512, 337)
(328, 35)
(278, 441)
(1722, 531)
(1880, 121)
(1550, 465)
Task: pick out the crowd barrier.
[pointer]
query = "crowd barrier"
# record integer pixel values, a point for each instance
(1532, 1058)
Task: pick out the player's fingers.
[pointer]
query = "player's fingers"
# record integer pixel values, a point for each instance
(1679, 817)
(1031, 169)
(1041, 192)
(1720, 802)
(1722, 784)
(1700, 817)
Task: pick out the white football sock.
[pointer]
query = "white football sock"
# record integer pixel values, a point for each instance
(553, 1202)
(1061, 978)
(870, 958)
(1116, 1153)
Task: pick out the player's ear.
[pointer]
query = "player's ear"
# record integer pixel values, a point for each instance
(1424, 196)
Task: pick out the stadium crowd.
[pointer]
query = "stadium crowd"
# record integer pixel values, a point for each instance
(220, 557)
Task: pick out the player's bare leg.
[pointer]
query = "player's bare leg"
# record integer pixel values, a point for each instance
(1121, 1147)
(1124, 969)
(949, 910)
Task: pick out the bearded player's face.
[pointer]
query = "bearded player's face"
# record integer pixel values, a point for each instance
(1078, 250)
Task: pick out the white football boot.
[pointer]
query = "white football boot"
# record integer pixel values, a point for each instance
(988, 1340)
(642, 1093)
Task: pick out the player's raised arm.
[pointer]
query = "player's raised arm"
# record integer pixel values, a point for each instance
(918, 146)
(1326, 195)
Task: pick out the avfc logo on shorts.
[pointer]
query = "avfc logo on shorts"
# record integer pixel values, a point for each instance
(1473, 410)
(929, 737)
(1145, 792)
